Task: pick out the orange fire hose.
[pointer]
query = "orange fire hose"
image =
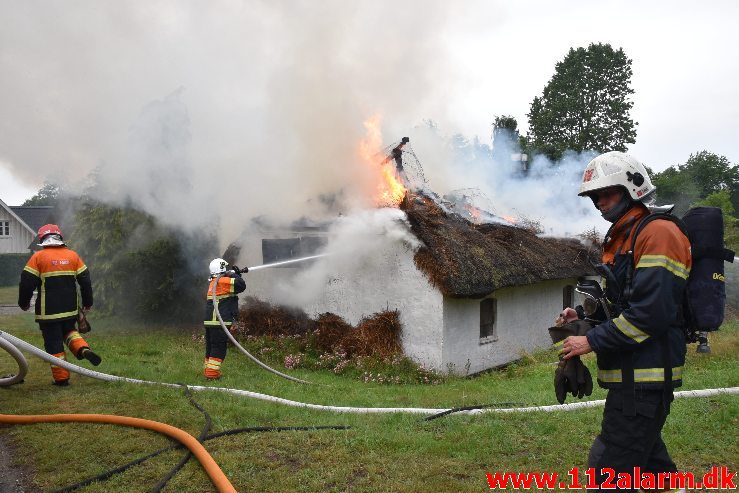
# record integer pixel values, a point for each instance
(220, 481)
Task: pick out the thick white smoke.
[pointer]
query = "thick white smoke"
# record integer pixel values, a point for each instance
(207, 116)
(546, 193)
(357, 244)
(214, 112)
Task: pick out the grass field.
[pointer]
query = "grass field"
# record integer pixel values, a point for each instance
(9, 295)
(398, 453)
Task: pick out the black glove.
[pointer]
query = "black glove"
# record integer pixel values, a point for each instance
(572, 376)
(584, 380)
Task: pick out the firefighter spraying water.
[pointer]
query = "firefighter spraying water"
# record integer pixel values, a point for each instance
(225, 284)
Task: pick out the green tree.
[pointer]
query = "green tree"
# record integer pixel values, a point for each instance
(586, 104)
(47, 195)
(703, 174)
(140, 269)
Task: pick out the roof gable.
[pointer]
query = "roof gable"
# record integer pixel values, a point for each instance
(34, 216)
(15, 215)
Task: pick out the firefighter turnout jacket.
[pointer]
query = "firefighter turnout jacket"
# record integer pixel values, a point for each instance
(55, 272)
(647, 335)
(228, 302)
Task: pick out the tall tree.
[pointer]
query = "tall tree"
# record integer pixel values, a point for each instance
(141, 269)
(586, 104)
(47, 195)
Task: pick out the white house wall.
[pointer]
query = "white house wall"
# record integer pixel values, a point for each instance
(19, 238)
(523, 315)
(388, 280)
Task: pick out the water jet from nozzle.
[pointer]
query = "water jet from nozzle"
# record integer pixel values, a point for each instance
(287, 262)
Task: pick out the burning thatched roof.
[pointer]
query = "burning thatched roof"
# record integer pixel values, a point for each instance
(466, 260)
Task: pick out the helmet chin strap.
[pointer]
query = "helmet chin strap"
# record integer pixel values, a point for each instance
(614, 213)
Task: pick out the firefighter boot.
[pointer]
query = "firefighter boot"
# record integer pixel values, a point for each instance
(80, 348)
(90, 356)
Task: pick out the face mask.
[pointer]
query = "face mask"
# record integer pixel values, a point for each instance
(618, 210)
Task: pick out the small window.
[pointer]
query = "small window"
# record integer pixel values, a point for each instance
(568, 296)
(282, 249)
(4, 228)
(488, 314)
(277, 250)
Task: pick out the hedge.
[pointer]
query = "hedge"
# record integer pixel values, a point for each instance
(11, 265)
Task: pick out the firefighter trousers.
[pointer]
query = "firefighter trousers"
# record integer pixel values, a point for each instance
(56, 334)
(626, 442)
(215, 350)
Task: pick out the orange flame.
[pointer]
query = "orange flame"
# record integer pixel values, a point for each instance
(509, 219)
(390, 190)
(474, 212)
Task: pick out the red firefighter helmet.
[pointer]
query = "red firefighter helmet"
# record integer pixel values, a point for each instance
(48, 229)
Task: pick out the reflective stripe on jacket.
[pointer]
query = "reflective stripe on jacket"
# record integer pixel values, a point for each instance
(55, 272)
(227, 292)
(662, 262)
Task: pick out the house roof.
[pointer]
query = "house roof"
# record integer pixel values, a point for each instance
(466, 260)
(34, 216)
(10, 210)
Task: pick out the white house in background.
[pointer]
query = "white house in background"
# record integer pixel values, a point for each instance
(18, 226)
(472, 297)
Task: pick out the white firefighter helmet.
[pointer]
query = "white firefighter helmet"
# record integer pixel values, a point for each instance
(218, 266)
(617, 169)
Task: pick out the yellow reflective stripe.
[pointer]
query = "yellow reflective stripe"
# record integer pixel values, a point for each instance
(43, 316)
(81, 269)
(31, 270)
(59, 273)
(213, 365)
(72, 336)
(211, 322)
(640, 375)
(628, 329)
(221, 296)
(680, 270)
(231, 287)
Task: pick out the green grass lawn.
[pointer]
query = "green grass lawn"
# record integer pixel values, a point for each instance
(9, 295)
(398, 453)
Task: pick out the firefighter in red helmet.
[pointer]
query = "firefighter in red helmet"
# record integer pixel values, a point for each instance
(54, 272)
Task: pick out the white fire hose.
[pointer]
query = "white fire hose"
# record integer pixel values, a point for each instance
(10, 340)
(19, 358)
(236, 343)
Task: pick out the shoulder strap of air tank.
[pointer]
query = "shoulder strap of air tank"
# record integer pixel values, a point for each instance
(638, 229)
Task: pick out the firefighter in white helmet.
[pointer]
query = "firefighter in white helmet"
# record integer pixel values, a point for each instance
(230, 284)
(641, 351)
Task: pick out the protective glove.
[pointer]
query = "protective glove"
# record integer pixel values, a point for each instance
(83, 325)
(584, 380)
(240, 271)
(571, 376)
(561, 382)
